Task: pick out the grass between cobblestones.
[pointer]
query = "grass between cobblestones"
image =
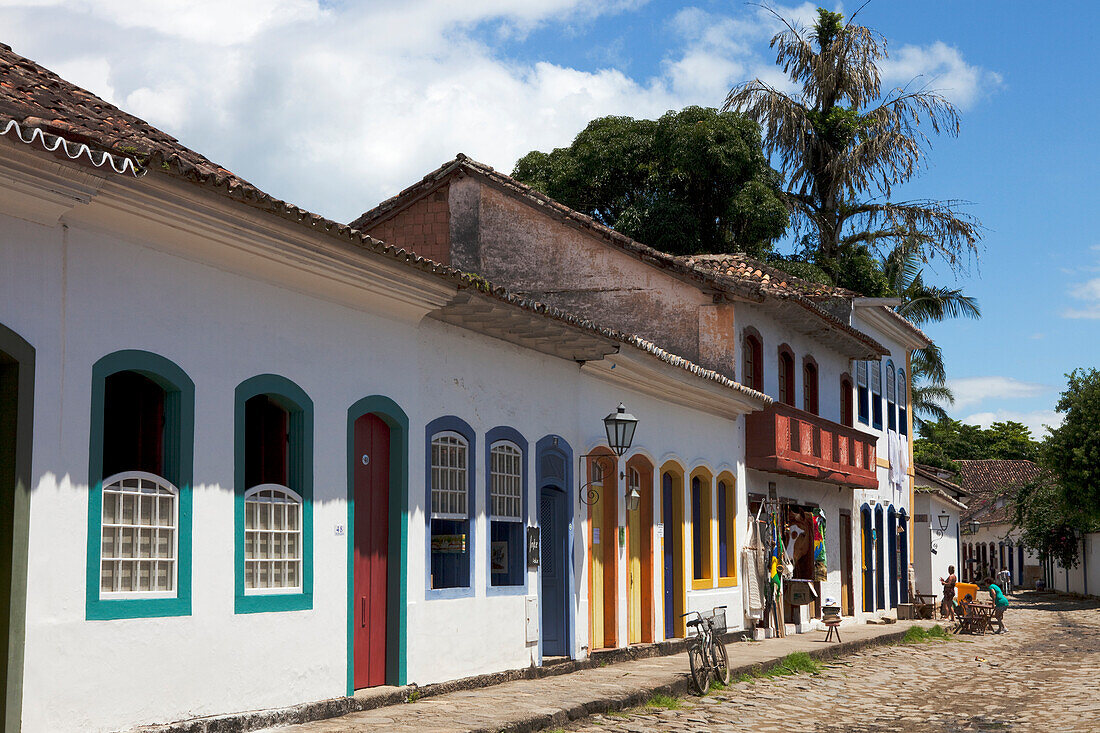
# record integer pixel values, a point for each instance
(796, 663)
(921, 635)
(664, 701)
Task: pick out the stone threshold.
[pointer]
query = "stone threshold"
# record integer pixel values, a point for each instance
(377, 697)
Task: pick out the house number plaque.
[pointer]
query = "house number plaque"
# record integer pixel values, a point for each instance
(366, 460)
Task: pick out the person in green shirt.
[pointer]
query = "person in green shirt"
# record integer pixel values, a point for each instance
(1000, 603)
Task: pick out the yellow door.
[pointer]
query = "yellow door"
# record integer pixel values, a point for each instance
(634, 576)
(596, 565)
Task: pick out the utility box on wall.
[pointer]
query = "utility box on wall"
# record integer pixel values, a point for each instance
(532, 621)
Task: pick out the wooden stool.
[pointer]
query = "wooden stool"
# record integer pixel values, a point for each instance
(834, 630)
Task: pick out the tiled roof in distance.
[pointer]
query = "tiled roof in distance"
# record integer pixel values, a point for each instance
(993, 483)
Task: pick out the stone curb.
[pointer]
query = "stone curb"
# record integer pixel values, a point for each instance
(337, 707)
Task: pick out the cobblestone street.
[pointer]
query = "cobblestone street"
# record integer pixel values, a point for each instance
(1043, 675)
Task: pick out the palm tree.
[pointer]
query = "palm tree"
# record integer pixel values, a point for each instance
(922, 303)
(843, 146)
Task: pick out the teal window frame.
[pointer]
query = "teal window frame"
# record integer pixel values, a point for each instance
(179, 447)
(297, 403)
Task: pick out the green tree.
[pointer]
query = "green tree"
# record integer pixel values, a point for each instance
(843, 147)
(1072, 450)
(948, 440)
(692, 181)
(1050, 524)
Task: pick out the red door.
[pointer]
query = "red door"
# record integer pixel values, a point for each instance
(372, 502)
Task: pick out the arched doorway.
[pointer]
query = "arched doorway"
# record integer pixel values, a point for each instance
(603, 554)
(892, 553)
(880, 564)
(378, 479)
(16, 433)
(553, 461)
(867, 542)
(672, 549)
(639, 538)
(903, 555)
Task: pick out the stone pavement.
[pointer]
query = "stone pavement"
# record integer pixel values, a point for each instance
(1043, 675)
(527, 705)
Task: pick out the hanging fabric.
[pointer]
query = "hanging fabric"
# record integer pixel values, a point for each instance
(821, 568)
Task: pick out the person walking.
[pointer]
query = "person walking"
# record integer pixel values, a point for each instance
(1004, 579)
(947, 604)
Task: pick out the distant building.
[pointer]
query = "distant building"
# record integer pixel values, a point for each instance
(994, 544)
(938, 506)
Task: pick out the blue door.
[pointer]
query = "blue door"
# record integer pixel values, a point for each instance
(669, 559)
(554, 528)
(892, 554)
(880, 571)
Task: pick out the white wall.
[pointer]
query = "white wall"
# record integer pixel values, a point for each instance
(1085, 577)
(931, 567)
(78, 294)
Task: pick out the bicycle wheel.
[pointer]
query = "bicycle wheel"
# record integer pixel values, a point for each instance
(721, 662)
(700, 669)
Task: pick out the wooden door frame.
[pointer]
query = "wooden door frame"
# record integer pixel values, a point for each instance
(676, 529)
(644, 467)
(397, 556)
(609, 497)
(847, 562)
(867, 558)
(22, 367)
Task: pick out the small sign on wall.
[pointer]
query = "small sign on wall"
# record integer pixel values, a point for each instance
(595, 535)
(660, 530)
(534, 547)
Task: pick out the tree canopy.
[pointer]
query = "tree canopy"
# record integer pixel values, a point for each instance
(1072, 451)
(843, 147)
(942, 442)
(692, 181)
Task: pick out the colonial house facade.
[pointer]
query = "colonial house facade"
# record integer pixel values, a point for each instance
(833, 363)
(939, 507)
(252, 457)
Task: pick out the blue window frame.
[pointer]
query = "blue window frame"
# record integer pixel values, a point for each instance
(506, 501)
(861, 390)
(449, 481)
(876, 395)
(903, 403)
(142, 442)
(891, 397)
(273, 496)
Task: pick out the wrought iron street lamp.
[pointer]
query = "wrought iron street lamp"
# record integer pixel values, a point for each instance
(619, 426)
(973, 526)
(945, 522)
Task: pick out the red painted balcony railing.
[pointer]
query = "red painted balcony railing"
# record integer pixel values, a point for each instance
(783, 439)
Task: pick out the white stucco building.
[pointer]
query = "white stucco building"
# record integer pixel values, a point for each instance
(254, 458)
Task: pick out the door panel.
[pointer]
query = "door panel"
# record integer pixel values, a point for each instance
(372, 491)
(847, 605)
(554, 571)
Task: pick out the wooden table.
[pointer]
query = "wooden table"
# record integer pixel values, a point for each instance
(974, 617)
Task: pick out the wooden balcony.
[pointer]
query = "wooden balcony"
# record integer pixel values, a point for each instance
(783, 439)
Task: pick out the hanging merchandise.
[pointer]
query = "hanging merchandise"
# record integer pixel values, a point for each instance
(752, 565)
(821, 571)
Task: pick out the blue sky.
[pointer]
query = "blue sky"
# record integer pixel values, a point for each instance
(338, 105)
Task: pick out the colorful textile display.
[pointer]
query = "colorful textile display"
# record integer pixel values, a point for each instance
(821, 571)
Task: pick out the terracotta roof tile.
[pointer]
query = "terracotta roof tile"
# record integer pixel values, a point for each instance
(993, 483)
(773, 280)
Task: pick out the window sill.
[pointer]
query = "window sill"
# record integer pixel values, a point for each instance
(119, 608)
(435, 594)
(273, 603)
(727, 582)
(703, 584)
(506, 590)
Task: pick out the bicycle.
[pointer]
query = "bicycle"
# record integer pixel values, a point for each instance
(707, 652)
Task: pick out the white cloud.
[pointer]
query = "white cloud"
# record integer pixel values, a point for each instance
(971, 391)
(337, 106)
(940, 68)
(1089, 293)
(1036, 421)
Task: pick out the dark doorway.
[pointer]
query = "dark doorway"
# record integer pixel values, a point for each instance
(847, 581)
(16, 426)
(892, 554)
(867, 537)
(554, 528)
(880, 570)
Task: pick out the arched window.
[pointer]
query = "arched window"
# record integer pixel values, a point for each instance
(847, 411)
(903, 403)
(809, 385)
(139, 505)
(891, 397)
(450, 483)
(727, 532)
(786, 376)
(272, 539)
(507, 489)
(876, 395)
(753, 357)
(861, 389)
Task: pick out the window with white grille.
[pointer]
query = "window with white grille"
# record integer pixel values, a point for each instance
(272, 539)
(506, 481)
(450, 484)
(139, 535)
